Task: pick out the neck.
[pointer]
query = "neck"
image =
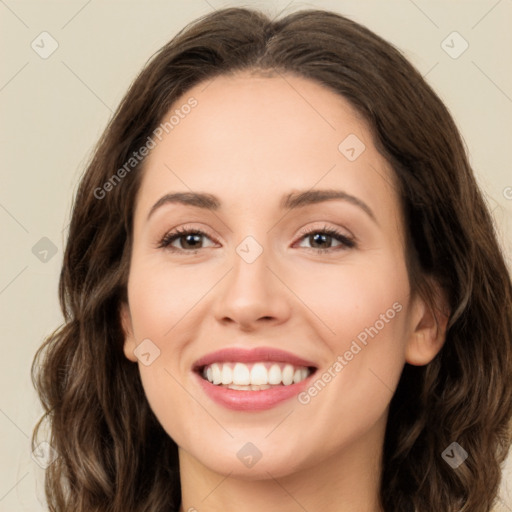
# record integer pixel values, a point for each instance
(348, 481)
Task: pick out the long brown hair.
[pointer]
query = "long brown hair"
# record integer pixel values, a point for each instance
(113, 454)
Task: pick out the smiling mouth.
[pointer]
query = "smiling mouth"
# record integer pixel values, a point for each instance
(257, 376)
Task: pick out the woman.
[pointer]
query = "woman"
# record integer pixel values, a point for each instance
(209, 359)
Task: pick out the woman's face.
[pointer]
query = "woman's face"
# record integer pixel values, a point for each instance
(265, 283)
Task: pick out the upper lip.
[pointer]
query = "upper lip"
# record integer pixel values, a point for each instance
(237, 354)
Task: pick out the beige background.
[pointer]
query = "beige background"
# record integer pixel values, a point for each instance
(54, 109)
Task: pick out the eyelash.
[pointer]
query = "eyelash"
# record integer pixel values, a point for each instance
(347, 242)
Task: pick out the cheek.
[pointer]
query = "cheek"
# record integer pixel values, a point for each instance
(161, 296)
(350, 298)
(363, 312)
(162, 300)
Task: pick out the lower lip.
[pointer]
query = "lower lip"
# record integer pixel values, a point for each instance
(251, 400)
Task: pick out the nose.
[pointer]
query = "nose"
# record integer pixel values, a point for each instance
(252, 295)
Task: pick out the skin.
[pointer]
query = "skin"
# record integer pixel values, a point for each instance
(250, 140)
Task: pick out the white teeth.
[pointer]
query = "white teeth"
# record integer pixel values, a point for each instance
(254, 376)
(300, 374)
(226, 374)
(241, 375)
(259, 374)
(288, 375)
(241, 388)
(216, 374)
(274, 375)
(249, 388)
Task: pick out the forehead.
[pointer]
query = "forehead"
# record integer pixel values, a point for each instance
(248, 107)
(250, 137)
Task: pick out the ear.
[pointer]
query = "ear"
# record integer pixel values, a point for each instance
(129, 339)
(428, 328)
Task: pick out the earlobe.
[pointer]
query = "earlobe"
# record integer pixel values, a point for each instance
(129, 339)
(428, 329)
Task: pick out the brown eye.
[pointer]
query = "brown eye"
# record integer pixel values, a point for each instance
(324, 237)
(190, 240)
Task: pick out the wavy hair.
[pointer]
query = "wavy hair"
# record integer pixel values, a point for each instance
(113, 454)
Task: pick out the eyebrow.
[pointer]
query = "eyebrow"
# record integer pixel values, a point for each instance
(291, 201)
